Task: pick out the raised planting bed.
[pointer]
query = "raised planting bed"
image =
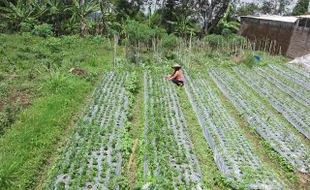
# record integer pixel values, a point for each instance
(299, 69)
(167, 152)
(233, 154)
(276, 131)
(296, 91)
(293, 111)
(292, 75)
(93, 156)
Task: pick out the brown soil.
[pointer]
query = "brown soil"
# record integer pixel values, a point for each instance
(78, 71)
(304, 179)
(20, 98)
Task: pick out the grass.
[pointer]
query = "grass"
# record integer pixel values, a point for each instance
(31, 139)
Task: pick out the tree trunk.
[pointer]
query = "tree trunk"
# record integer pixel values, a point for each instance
(58, 27)
(83, 28)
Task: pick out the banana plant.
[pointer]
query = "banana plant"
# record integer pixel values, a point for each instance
(233, 25)
(183, 25)
(20, 11)
(82, 9)
(55, 10)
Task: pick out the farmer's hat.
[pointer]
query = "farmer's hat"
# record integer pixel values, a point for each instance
(176, 66)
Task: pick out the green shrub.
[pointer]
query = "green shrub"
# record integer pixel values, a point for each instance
(170, 41)
(53, 44)
(215, 40)
(69, 40)
(43, 30)
(98, 39)
(28, 25)
(226, 32)
(237, 39)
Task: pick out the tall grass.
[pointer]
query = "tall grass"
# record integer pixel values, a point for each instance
(58, 96)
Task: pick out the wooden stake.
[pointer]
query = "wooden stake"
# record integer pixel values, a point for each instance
(115, 49)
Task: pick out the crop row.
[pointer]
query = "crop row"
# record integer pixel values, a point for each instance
(296, 77)
(301, 70)
(299, 93)
(167, 151)
(267, 124)
(233, 154)
(93, 156)
(293, 111)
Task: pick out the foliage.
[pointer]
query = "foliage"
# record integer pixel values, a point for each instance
(43, 30)
(28, 24)
(15, 13)
(301, 7)
(138, 31)
(214, 40)
(227, 23)
(247, 9)
(170, 41)
(55, 97)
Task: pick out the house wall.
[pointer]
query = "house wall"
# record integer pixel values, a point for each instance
(300, 42)
(260, 30)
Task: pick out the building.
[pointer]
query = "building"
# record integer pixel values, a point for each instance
(291, 33)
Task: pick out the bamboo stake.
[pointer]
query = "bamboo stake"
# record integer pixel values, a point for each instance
(115, 49)
(189, 51)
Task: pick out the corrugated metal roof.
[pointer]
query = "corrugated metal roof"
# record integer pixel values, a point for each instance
(289, 19)
(303, 16)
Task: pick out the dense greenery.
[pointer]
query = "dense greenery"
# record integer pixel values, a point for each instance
(41, 81)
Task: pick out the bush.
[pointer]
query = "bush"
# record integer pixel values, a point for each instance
(69, 40)
(53, 44)
(215, 40)
(169, 41)
(98, 39)
(43, 30)
(226, 32)
(237, 39)
(28, 25)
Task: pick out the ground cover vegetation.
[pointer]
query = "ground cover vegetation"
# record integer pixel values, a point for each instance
(84, 103)
(168, 161)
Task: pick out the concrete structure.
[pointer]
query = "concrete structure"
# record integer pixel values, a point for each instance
(291, 33)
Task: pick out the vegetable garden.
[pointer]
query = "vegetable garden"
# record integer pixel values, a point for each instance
(96, 155)
(93, 157)
(230, 127)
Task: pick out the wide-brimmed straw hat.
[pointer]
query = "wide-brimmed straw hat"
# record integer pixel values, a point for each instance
(176, 66)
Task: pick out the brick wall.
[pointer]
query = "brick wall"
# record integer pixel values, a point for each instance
(260, 30)
(300, 42)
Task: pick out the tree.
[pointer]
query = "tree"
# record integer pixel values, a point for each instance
(247, 9)
(210, 12)
(283, 4)
(267, 7)
(301, 7)
(83, 8)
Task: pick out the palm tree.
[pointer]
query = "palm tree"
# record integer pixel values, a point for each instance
(82, 8)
